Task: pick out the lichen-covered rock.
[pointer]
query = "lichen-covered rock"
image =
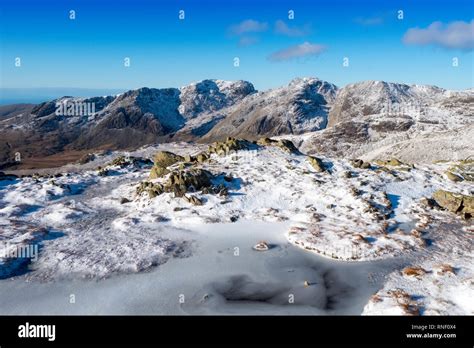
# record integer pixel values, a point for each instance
(284, 144)
(454, 202)
(462, 170)
(193, 200)
(266, 141)
(153, 189)
(395, 164)
(391, 162)
(192, 178)
(287, 146)
(180, 181)
(202, 157)
(165, 159)
(453, 177)
(317, 164)
(162, 160)
(189, 158)
(357, 163)
(124, 161)
(223, 148)
(157, 172)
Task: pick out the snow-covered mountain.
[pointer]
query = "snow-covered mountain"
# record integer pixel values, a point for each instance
(128, 120)
(416, 123)
(370, 118)
(211, 95)
(300, 107)
(375, 97)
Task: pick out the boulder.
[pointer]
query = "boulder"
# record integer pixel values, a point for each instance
(317, 164)
(189, 158)
(162, 160)
(462, 170)
(124, 161)
(266, 141)
(453, 177)
(102, 171)
(357, 163)
(223, 148)
(165, 159)
(193, 178)
(202, 157)
(468, 205)
(157, 172)
(88, 157)
(287, 146)
(391, 162)
(193, 200)
(454, 202)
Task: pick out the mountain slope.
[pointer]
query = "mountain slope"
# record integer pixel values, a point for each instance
(301, 106)
(129, 120)
(376, 119)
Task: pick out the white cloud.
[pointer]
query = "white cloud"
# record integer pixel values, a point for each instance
(283, 29)
(248, 26)
(453, 35)
(305, 49)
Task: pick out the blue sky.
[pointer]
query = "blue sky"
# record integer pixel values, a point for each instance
(89, 52)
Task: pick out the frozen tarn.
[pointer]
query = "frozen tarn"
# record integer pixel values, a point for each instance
(223, 276)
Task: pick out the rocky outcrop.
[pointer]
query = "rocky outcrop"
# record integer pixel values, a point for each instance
(462, 170)
(229, 145)
(284, 144)
(162, 160)
(358, 163)
(317, 164)
(455, 203)
(178, 182)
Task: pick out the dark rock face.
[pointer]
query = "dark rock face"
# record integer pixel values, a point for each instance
(44, 109)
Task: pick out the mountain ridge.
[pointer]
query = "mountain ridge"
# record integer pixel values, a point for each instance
(214, 109)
